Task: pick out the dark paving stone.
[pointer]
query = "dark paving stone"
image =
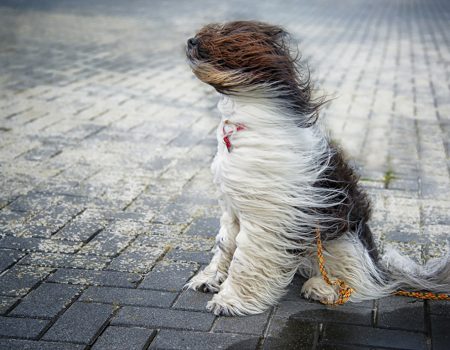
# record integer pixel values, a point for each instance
(18, 280)
(193, 300)
(136, 258)
(46, 301)
(95, 278)
(366, 336)
(204, 227)
(62, 260)
(124, 338)
(401, 313)
(439, 307)
(21, 327)
(82, 228)
(171, 339)
(125, 296)
(80, 323)
(15, 344)
(290, 334)
(169, 276)
(9, 257)
(39, 244)
(440, 332)
(6, 303)
(356, 313)
(188, 256)
(150, 317)
(254, 324)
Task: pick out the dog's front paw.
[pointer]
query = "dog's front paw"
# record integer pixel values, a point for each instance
(317, 289)
(204, 282)
(220, 306)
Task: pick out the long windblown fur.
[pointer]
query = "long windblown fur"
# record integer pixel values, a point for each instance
(281, 179)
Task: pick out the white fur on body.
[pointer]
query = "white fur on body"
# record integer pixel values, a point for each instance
(271, 170)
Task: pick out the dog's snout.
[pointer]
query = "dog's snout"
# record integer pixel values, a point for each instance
(192, 42)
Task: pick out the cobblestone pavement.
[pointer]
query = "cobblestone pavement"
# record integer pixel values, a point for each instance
(107, 206)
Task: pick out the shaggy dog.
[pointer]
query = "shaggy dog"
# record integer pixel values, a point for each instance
(280, 180)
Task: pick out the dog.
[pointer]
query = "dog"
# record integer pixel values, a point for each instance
(281, 180)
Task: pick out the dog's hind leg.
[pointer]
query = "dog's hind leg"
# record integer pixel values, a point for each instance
(258, 274)
(209, 279)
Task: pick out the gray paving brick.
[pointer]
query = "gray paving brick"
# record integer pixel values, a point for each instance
(193, 300)
(290, 334)
(6, 303)
(440, 335)
(366, 336)
(189, 256)
(126, 296)
(254, 324)
(14, 344)
(96, 278)
(171, 339)
(21, 327)
(18, 280)
(39, 244)
(46, 301)
(165, 318)
(136, 258)
(80, 261)
(360, 313)
(401, 313)
(126, 338)
(169, 276)
(9, 257)
(80, 323)
(208, 226)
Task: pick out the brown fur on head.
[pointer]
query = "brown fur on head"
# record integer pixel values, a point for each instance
(244, 56)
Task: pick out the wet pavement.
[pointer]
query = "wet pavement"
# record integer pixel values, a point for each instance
(106, 200)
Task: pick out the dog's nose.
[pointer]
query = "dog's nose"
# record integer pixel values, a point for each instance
(192, 42)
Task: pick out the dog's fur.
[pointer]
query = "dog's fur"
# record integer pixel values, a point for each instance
(280, 180)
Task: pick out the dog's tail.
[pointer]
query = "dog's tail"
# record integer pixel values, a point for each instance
(349, 260)
(404, 273)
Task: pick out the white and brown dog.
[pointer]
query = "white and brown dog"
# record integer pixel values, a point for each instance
(280, 178)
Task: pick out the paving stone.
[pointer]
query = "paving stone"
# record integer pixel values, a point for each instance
(136, 258)
(18, 280)
(171, 339)
(439, 307)
(9, 257)
(14, 344)
(80, 323)
(360, 313)
(440, 335)
(6, 303)
(165, 318)
(46, 301)
(21, 327)
(193, 300)
(39, 244)
(81, 261)
(125, 296)
(83, 227)
(189, 256)
(95, 278)
(366, 336)
(290, 334)
(401, 313)
(254, 324)
(169, 276)
(126, 338)
(204, 227)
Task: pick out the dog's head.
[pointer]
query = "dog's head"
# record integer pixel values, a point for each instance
(245, 57)
(240, 55)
